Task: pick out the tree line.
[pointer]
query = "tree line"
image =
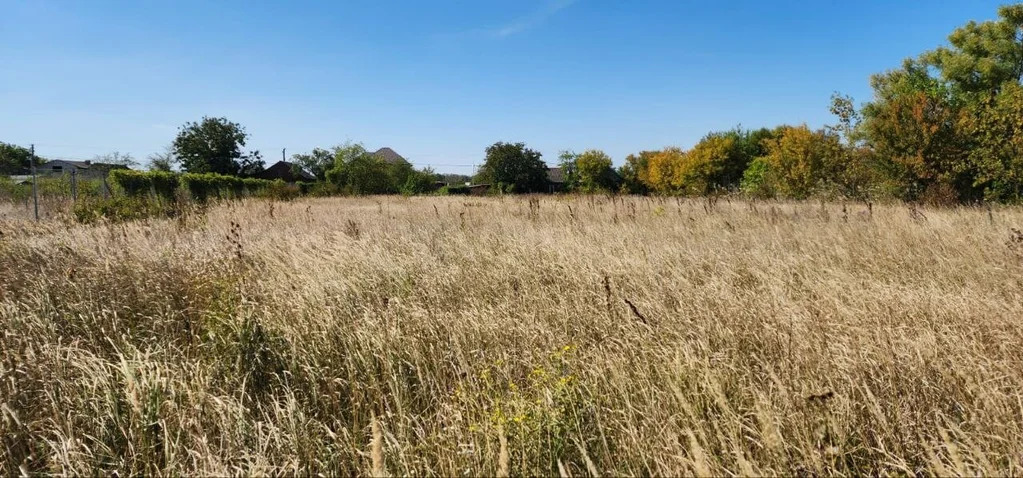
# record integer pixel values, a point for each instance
(947, 126)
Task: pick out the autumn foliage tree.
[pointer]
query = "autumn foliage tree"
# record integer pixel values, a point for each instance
(635, 172)
(943, 124)
(799, 162)
(715, 163)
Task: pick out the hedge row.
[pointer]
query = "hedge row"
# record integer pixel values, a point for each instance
(140, 183)
(200, 187)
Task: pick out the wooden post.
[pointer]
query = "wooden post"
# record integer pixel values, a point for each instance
(35, 187)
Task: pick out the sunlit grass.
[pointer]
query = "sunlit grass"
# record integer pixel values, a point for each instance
(558, 335)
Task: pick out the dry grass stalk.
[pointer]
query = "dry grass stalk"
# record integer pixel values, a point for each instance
(376, 452)
(503, 459)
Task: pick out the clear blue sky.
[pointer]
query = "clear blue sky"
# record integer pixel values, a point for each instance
(438, 81)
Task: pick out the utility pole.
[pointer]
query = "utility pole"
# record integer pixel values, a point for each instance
(282, 154)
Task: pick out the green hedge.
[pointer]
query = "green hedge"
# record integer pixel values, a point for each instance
(203, 187)
(162, 186)
(165, 184)
(137, 184)
(133, 183)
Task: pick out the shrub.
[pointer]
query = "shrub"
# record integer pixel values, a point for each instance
(255, 187)
(305, 187)
(457, 189)
(280, 190)
(322, 189)
(14, 192)
(756, 180)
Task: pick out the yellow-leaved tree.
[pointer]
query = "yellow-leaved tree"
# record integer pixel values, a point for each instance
(800, 160)
(661, 170)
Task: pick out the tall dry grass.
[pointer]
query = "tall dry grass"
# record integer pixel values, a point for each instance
(468, 336)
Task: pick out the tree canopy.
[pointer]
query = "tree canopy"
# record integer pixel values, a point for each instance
(14, 159)
(514, 168)
(317, 161)
(594, 170)
(357, 171)
(946, 120)
(214, 145)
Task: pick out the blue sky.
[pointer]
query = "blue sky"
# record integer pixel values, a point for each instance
(438, 81)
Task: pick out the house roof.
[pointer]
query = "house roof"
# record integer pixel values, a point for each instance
(77, 164)
(85, 164)
(388, 155)
(556, 175)
(286, 170)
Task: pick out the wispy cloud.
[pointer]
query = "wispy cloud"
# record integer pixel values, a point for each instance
(551, 8)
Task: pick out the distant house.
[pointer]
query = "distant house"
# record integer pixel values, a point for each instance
(79, 168)
(287, 172)
(388, 155)
(556, 179)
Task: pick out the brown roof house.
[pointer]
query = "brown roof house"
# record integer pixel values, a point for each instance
(556, 179)
(388, 155)
(286, 171)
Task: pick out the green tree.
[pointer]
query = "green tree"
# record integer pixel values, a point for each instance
(418, 182)
(514, 167)
(162, 161)
(364, 174)
(317, 162)
(567, 163)
(849, 118)
(983, 57)
(858, 175)
(594, 170)
(757, 181)
(743, 146)
(15, 159)
(995, 127)
(357, 171)
(912, 127)
(214, 145)
(930, 122)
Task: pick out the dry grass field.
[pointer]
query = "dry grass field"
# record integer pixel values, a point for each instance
(523, 336)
